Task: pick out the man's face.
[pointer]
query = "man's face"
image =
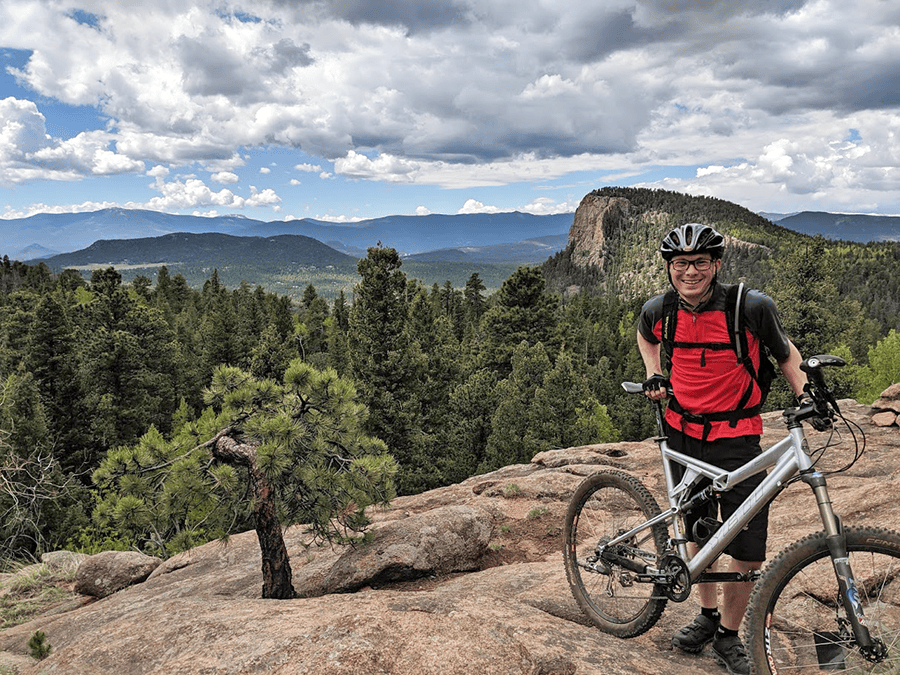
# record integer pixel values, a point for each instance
(690, 282)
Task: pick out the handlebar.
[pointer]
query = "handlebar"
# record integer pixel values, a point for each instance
(817, 405)
(813, 368)
(819, 408)
(822, 406)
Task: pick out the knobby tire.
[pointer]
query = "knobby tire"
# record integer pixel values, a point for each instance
(793, 620)
(605, 505)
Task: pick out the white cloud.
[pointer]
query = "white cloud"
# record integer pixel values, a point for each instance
(191, 192)
(383, 168)
(548, 86)
(225, 177)
(265, 170)
(545, 206)
(83, 207)
(422, 211)
(28, 153)
(329, 218)
(475, 206)
(526, 92)
(542, 206)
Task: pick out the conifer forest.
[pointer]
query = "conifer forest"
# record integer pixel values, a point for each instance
(111, 393)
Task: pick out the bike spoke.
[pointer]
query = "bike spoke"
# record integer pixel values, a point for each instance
(805, 628)
(605, 507)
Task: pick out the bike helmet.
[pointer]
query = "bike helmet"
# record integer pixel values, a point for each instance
(692, 238)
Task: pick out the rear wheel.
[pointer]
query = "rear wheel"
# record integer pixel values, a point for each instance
(604, 506)
(795, 622)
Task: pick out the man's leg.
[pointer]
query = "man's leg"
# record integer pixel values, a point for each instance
(693, 637)
(727, 648)
(736, 595)
(708, 593)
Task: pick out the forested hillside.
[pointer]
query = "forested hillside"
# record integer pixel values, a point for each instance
(96, 375)
(758, 251)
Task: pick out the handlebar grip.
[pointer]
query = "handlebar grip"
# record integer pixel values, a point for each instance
(633, 387)
(814, 364)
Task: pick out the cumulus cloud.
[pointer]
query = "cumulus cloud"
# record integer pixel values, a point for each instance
(384, 168)
(544, 206)
(475, 206)
(29, 153)
(460, 94)
(191, 192)
(225, 177)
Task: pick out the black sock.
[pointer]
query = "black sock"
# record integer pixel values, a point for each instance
(725, 632)
(711, 613)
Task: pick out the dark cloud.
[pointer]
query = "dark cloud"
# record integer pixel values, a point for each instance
(602, 34)
(416, 16)
(210, 68)
(284, 55)
(719, 10)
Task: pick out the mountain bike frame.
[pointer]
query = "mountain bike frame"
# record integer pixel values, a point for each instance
(790, 458)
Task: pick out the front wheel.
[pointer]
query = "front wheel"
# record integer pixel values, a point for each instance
(606, 505)
(796, 623)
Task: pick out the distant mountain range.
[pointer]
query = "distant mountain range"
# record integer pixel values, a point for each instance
(64, 233)
(121, 236)
(524, 252)
(205, 249)
(847, 226)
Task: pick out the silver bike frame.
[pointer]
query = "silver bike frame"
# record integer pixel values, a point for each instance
(788, 456)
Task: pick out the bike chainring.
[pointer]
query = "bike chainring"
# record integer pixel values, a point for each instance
(677, 578)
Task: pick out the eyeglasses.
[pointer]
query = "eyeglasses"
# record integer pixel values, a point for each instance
(701, 265)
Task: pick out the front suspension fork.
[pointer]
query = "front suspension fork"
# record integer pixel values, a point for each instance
(837, 547)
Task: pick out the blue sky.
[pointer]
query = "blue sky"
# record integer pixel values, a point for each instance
(351, 109)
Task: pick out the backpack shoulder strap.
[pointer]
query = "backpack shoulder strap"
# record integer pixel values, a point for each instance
(734, 317)
(669, 323)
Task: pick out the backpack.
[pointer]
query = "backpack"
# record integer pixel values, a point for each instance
(734, 319)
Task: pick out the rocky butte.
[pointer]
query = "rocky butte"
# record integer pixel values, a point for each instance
(464, 579)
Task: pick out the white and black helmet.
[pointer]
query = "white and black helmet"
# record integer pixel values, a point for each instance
(692, 238)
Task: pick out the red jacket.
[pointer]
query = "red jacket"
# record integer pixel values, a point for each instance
(711, 380)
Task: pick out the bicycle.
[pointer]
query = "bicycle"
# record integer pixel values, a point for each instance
(829, 601)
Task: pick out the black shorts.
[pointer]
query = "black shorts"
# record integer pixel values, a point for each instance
(729, 454)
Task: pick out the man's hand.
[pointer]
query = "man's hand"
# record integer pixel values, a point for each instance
(656, 387)
(821, 422)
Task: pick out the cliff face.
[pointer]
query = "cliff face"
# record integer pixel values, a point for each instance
(621, 240)
(596, 220)
(620, 237)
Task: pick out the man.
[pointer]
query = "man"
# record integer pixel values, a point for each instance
(714, 415)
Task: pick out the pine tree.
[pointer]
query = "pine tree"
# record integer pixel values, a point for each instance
(387, 364)
(311, 330)
(524, 312)
(473, 300)
(297, 448)
(37, 498)
(512, 440)
(472, 406)
(128, 358)
(51, 359)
